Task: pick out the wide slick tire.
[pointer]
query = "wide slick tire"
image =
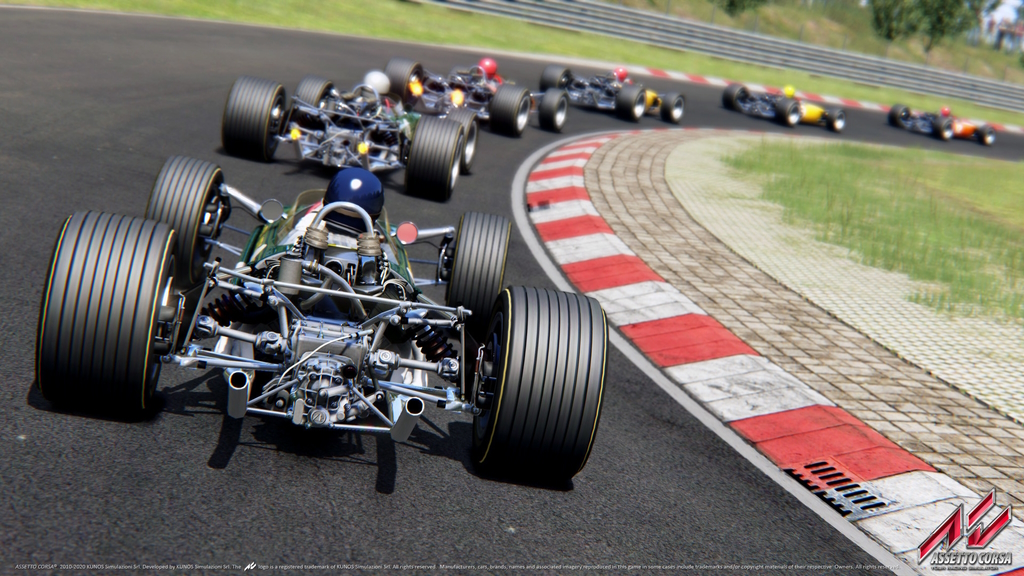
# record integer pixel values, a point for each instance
(553, 109)
(541, 380)
(254, 115)
(99, 313)
(732, 94)
(986, 135)
(897, 116)
(836, 119)
(478, 270)
(434, 157)
(673, 107)
(554, 76)
(787, 112)
(510, 110)
(631, 102)
(401, 72)
(186, 197)
(471, 129)
(313, 90)
(942, 128)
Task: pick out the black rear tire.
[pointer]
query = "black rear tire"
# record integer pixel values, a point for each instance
(673, 106)
(186, 197)
(254, 114)
(510, 110)
(470, 129)
(836, 119)
(554, 76)
(401, 72)
(986, 135)
(732, 95)
(544, 364)
(434, 157)
(553, 109)
(313, 90)
(478, 270)
(631, 102)
(897, 116)
(942, 128)
(787, 112)
(98, 317)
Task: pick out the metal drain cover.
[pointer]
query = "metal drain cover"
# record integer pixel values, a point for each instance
(828, 481)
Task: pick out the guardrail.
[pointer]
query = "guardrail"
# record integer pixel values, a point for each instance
(742, 46)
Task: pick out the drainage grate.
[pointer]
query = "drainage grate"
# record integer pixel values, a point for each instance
(830, 483)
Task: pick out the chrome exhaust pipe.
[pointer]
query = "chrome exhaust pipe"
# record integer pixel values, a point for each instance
(405, 413)
(238, 391)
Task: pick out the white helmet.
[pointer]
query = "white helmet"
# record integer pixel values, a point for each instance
(378, 81)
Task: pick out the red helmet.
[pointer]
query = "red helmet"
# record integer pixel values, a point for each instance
(489, 66)
(621, 74)
(945, 111)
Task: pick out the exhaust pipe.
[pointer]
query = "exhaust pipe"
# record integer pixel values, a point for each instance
(405, 413)
(238, 391)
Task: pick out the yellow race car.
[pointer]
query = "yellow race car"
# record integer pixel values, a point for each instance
(614, 92)
(783, 108)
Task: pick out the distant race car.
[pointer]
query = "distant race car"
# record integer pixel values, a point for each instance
(362, 127)
(943, 125)
(614, 91)
(476, 93)
(783, 108)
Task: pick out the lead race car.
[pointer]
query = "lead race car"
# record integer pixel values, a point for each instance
(321, 323)
(477, 93)
(615, 92)
(362, 127)
(943, 125)
(783, 108)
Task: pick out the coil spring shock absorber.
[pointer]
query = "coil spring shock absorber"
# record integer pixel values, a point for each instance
(231, 307)
(433, 345)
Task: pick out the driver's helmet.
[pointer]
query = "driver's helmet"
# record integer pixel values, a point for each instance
(945, 111)
(378, 81)
(489, 66)
(621, 74)
(789, 91)
(359, 187)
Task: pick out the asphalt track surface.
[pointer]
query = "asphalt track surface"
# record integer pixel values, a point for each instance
(92, 106)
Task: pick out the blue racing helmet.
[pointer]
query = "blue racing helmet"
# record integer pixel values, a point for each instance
(359, 187)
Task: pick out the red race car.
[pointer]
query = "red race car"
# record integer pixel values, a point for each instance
(943, 125)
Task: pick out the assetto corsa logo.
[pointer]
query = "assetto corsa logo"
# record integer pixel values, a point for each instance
(962, 521)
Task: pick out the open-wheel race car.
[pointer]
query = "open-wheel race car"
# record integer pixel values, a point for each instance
(321, 323)
(477, 93)
(362, 127)
(943, 125)
(614, 92)
(783, 108)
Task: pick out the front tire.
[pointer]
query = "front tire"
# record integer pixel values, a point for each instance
(942, 128)
(787, 112)
(100, 310)
(554, 76)
(553, 109)
(478, 270)
(434, 156)
(631, 102)
(253, 116)
(541, 380)
(898, 115)
(510, 110)
(471, 128)
(673, 106)
(732, 94)
(314, 91)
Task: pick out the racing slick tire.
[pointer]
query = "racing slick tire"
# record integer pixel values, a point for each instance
(540, 384)
(470, 129)
(942, 128)
(732, 94)
(434, 158)
(186, 197)
(478, 267)
(312, 90)
(986, 135)
(510, 110)
(787, 112)
(554, 76)
(897, 116)
(101, 311)
(253, 115)
(631, 102)
(835, 119)
(401, 72)
(552, 110)
(672, 108)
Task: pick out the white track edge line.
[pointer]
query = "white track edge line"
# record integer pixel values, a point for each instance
(734, 440)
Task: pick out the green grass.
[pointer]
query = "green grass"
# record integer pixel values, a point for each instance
(433, 24)
(952, 220)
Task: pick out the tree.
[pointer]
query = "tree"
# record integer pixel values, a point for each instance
(981, 7)
(734, 7)
(894, 19)
(943, 18)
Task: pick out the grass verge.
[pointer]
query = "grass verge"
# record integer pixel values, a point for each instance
(402, 20)
(952, 220)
